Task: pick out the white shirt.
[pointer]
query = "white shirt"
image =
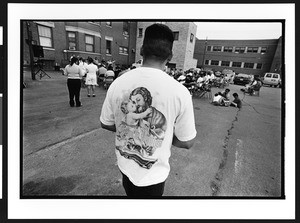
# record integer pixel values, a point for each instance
(143, 150)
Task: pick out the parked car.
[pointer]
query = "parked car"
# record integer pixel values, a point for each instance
(272, 79)
(243, 79)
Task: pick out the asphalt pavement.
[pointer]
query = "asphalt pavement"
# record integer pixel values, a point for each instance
(67, 153)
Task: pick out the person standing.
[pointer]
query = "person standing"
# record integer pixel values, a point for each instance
(91, 77)
(143, 149)
(74, 74)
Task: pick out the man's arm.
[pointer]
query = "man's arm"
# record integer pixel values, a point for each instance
(111, 128)
(182, 144)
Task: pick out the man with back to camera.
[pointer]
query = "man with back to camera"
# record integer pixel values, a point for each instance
(149, 112)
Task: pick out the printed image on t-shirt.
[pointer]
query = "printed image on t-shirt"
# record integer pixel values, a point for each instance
(142, 128)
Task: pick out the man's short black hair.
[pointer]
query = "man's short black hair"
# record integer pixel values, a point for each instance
(235, 95)
(158, 42)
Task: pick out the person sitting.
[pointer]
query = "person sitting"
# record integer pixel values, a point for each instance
(236, 101)
(225, 94)
(218, 99)
(255, 85)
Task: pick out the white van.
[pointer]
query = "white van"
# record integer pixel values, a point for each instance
(272, 79)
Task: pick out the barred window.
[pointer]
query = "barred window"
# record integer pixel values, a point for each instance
(206, 62)
(208, 48)
(123, 50)
(140, 32)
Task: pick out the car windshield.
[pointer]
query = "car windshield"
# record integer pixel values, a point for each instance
(243, 75)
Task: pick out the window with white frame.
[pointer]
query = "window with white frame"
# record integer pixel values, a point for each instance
(45, 36)
(72, 40)
(108, 46)
(208, 48)
(89, 43)
(123, 50)
(206, 62)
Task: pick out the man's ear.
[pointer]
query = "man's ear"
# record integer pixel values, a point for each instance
(142, 51)
(170, 56)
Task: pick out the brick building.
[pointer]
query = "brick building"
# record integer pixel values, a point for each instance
(242, 56)
(183, 47)
(107, 40)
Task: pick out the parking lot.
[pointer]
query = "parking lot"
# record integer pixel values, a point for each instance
(66, 153)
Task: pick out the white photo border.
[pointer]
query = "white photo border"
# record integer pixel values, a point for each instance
(157, 209)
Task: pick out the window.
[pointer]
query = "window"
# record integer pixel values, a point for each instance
(217, 48)
(72, 40)
(123, 50)
(108, 47)
(228, 49)
(275, 76)
(89, 43)
(225, 63)
(208, 48)
(109, 24)
(125, 29)
(259, 66)
(176, 35)
(191, 37)
(214, 62)
(263, 50)
(236, 64)
(206, 62)
(269, 75)
(252, 50)
(248, 65)
(45, 36)
(140, 32)
(239, 50)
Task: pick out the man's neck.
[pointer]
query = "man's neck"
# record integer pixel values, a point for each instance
(154, 64)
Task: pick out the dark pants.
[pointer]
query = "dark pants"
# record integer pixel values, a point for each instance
(74, 86)
(133, 191)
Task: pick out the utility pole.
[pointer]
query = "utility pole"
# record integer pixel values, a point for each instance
(29, 34)
(129, 37)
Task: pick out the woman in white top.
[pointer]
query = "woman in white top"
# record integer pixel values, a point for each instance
(91, 77)
(73, 72)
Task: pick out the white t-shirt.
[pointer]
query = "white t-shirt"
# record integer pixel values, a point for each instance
(143, 147)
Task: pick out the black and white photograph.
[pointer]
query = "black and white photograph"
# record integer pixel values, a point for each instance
(117, 109)
(234, 83)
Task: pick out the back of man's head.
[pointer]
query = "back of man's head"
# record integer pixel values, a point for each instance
(158, 42)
